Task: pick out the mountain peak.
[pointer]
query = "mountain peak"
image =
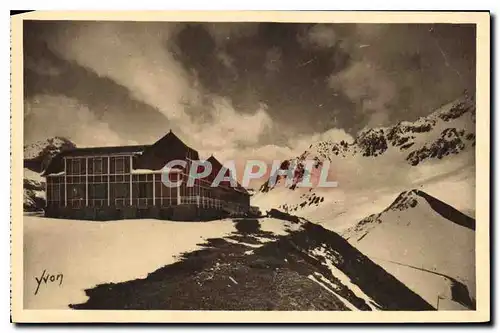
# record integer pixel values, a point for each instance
(41, 147)
(412, 198)
(38, 154)
(405, 200)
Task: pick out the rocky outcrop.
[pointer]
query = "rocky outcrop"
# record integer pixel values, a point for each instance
(37, 155)
(450, 141)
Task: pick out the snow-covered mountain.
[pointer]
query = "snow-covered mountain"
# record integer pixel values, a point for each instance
(448, 130)
(379, 163)
(425, 243)
(37, 155)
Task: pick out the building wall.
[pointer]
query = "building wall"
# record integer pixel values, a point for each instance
(107, 182)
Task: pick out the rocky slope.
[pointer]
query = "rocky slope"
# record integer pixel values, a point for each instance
(37, 155)
(398, 156)
(447, 131)
(305, 268)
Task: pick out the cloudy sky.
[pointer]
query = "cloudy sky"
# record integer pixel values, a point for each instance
(236, 89)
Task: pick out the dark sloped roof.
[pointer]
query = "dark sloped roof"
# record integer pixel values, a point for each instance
(216, 166)
(214, 161)
(171, 137)
(103, 150)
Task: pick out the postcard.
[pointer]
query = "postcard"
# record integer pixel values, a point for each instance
(257, 167)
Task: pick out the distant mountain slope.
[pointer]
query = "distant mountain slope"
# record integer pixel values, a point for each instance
(382, 160)
(420, 232)
(37, 156)
(447, 131)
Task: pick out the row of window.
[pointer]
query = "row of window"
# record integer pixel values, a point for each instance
(144, 189)
(98, 165)
(121, 178)
(104, 179)
(119, 190)
(137, 202)
(119, 169)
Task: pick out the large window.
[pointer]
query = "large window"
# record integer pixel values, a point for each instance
(98, 194)
(98, 184)
(199, 193)
(75, 166)
(55, 191)
(142, 190)
(98, 165)
(76, 195)
(165, 196)
(119, 165)
(120, 190)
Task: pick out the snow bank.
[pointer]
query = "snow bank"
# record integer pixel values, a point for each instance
(416, 245)
(89, 253)
(232, 241)
(150, 172)
(326, 284)
(343, 278)
(32, 175)
(429, 286)
(278, 227)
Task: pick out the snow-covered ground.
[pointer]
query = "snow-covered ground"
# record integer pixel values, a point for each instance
(32, 175)
(438, 157)
(88, 253)
(343, 207)
(322, 252)
(278, 227)
(418, 246)
(416, 237)
(429, 286)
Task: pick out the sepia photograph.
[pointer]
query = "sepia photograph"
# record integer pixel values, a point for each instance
(335, 164)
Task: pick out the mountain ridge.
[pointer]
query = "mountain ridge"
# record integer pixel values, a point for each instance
(425, 243)
(37, 155)
(447, 131)
(411, 199)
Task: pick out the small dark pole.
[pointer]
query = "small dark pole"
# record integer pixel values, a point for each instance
(437, 306)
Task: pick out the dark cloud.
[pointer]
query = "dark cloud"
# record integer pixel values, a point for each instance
(46, 73)
(138, 79)
(380, 73)
(271, 66)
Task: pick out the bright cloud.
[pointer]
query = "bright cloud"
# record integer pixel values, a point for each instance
(139, 60)
(48, 116)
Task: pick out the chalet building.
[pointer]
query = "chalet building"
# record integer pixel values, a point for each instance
(108, 183)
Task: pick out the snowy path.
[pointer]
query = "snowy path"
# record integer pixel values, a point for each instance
(459, 291)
